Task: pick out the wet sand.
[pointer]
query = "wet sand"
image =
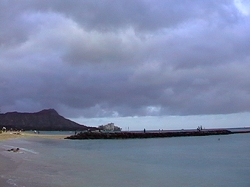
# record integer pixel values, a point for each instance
(6, 164)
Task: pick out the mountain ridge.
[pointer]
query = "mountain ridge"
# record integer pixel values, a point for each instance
(46, 119)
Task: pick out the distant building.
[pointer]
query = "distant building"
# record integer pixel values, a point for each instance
(109, 127)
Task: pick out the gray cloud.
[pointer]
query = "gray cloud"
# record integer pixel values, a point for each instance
(125, 58)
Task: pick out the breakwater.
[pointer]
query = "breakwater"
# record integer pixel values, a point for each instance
(131, 135)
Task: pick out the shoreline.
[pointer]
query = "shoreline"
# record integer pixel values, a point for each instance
(7, 165)
(12, 135)
(124, 134)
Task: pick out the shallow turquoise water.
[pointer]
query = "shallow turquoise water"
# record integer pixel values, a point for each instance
(176, 162)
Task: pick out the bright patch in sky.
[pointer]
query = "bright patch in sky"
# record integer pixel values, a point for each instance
(242, 7)
(171, 122)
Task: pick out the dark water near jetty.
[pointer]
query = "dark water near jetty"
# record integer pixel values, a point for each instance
(210, 161)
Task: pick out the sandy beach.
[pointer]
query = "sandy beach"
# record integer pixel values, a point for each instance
(8, 135)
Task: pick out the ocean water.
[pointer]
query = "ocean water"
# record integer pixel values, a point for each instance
(211, 161)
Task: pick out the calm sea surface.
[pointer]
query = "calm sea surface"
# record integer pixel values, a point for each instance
(211, 161)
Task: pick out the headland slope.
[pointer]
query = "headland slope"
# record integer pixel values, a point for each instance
(45, 120)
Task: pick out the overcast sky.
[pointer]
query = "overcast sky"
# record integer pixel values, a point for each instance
(104, 59)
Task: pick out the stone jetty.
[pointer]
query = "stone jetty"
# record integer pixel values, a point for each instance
(158, 134)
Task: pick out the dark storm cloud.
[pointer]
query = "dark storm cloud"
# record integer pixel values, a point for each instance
(125, 58)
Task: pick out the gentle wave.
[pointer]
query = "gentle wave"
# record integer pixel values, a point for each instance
(22, 149)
